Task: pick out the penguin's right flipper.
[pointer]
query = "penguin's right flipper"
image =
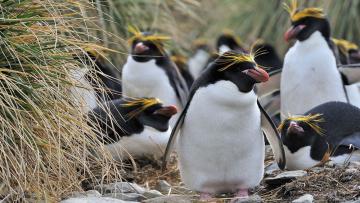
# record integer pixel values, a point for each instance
(273, 137)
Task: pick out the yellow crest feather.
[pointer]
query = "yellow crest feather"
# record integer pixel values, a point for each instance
(296, 14)
(231, 58)
(179, 59)
(142, 103)
(344, 45)
(310, 120)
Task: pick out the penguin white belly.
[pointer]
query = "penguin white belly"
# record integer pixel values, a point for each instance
(300, 159)
(150, 143)
(198, 62)
(148, 80)
(353, 94)
(221, 147)
(309, 76)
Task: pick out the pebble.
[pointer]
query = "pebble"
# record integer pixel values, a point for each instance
(172, 199)
(126, 196)
(285, 177)
(307, 198)
(93, 200)
(163, 186)
(250, 199)
(120, 187)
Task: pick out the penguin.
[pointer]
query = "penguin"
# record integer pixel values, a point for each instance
(133, 127)
(149, 72)
(108, 75)
(221, 143)
(309, 76)
(228, 41)
(346, 51)
(199, 60)
(329, 131)
(181, 62)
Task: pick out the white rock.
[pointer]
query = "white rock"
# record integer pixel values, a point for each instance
(120, 187)
(93, 200)
(307, 198)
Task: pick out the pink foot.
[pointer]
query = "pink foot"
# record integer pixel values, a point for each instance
(240, 194)
(205, 197)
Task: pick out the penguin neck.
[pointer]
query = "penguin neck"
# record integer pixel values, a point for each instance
(315, 40)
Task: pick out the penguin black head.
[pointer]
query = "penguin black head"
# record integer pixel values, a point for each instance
(146, 46)
(349, 52)
(200, 44)
(150, 112)
(239, 68)
(300, 131)
(305, 22)
(229, 40)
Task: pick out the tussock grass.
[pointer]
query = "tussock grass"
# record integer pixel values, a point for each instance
(47, 148)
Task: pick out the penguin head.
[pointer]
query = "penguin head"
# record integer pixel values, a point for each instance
(228, 41)
(146, 46)
(348, 51)
(300, 131)
(239, 68)
(305, 22)
(200, 44)
(150, 112)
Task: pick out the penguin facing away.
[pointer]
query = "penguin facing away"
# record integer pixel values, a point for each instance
(330, 131)
(181, 62)
(149, 72)
(309, 76)
(347, 52)
(228, 41)
(224, 153)
(199, 60)
(134, 127)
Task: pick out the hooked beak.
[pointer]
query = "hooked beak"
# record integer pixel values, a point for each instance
(294, 128)
(167, 111)
(258, 74)
(140, 48)
(292, 32)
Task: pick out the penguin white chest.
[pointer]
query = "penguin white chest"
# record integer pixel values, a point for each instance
(147, 80)
(300, 159)
(198, 62)
(309, 76)
(221, 147)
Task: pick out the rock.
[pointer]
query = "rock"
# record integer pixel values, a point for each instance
(126, 196)
(93, 200)
(172, 199)
(285, 177)
(354, 164)
(307, 198)
(269, 169)
(152, 194)
(250, 199)
(89, 193)
(317, 169)
(163, 186)
(120, 187)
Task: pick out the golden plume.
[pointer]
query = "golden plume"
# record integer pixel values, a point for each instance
(232, 58)
(141, 103)
(155, 39)
(344, 45)
(296, 14)
(311, 120)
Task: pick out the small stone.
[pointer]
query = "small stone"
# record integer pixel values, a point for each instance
(163, 186)
(126, 196)
(250, 199)
(89, 193)
(285, 177)
(307, 198)
(120, 187)
(351, 171)
(152, 194)
(354, 164)
(317, 169)
(172, 199)
(93, 199)
(269, 169)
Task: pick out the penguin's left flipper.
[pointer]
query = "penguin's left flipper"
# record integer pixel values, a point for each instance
(273, 137)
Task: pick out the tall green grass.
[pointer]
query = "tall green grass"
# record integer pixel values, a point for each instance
(47, 148)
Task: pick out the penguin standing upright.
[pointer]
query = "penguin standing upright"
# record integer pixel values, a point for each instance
(199, 60)
(133, 127)
(228, 41)
(309, 75)
(330, 131)
(221, 146)
(149, 72)
(346, 51)
(181, 62)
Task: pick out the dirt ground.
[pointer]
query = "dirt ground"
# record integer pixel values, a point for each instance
(327, 184)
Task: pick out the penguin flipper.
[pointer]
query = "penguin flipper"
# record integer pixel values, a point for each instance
(273, 137)
(352, 74)
(173, 136)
